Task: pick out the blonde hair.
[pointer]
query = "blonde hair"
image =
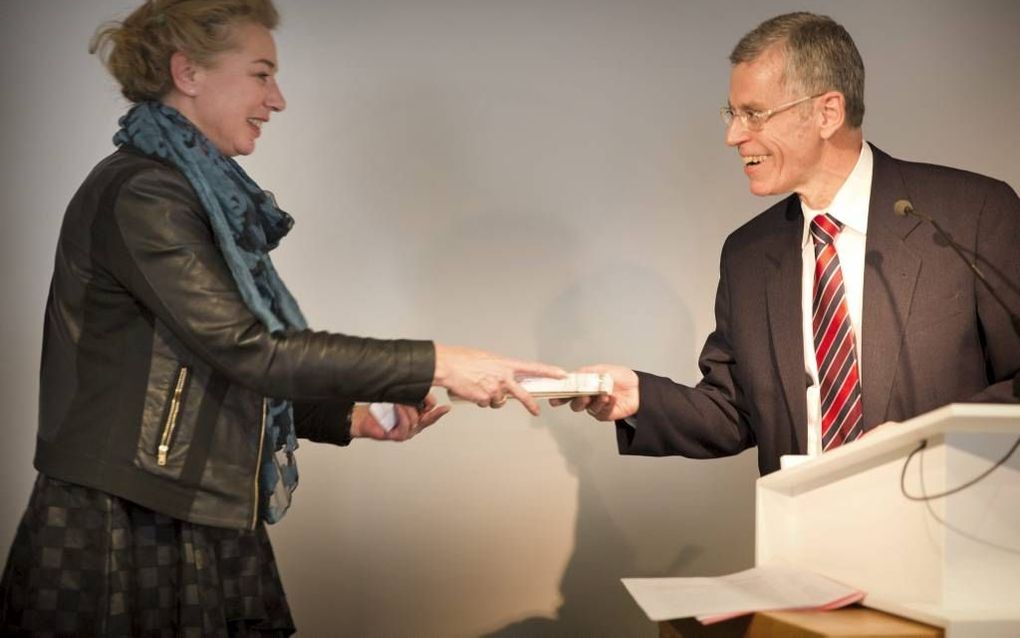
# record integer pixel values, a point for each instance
(137, 50)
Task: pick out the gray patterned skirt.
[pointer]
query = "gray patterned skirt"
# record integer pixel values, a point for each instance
(84, 562)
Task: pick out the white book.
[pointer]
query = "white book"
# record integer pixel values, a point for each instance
(575, 384)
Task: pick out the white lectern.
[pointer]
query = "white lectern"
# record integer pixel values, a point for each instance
(952, 562)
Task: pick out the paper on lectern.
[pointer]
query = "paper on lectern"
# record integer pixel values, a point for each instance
(766, 588)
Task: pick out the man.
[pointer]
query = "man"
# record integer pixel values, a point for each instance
(833, 313)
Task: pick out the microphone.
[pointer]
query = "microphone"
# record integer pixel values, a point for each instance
(903, 208)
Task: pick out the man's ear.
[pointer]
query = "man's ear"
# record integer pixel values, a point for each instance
(186, 74)
(832, 113)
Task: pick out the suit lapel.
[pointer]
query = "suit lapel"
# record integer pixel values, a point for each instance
(783, 301)
(890, 275)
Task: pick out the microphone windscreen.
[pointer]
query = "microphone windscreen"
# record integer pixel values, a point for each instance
(903, 207)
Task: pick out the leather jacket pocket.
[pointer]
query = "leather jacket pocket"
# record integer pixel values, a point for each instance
(173, 414)
(168, 420)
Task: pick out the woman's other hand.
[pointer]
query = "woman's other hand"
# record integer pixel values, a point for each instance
(411, 420)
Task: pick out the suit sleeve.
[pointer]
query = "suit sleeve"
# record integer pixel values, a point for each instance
(160, 248)
(999, 259)
(706, 421)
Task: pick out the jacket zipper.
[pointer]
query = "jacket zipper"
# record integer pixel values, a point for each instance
(258, 466)
(171, 416)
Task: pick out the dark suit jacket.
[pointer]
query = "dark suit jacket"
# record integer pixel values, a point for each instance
(931, 333)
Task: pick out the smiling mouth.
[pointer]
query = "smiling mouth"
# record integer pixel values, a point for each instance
(753, 160)
(256, 123)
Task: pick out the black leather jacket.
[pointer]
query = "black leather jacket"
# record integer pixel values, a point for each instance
(154, 370)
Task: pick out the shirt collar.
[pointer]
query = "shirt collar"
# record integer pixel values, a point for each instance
(850, 205)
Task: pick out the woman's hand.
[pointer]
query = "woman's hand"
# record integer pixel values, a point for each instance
(487, 379)
(411, 421)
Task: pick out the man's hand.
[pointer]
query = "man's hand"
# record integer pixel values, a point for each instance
(623, 402)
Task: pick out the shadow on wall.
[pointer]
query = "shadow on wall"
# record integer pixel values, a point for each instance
(518, 255)
(644, 322)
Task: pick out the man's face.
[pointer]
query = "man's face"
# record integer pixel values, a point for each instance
(783, 156)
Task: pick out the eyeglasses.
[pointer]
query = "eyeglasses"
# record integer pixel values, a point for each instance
(755, 120)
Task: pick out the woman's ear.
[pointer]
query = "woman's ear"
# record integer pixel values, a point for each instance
(185, 73)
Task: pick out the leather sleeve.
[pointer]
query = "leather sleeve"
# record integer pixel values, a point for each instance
(159, 246)
(324, 421)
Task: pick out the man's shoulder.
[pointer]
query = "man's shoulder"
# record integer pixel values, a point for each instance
(949, 194)
(931, 175)
(764, 226)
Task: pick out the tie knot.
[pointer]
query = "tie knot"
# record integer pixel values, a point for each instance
(824, 228)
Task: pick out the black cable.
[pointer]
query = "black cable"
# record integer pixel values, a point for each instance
(929, 497)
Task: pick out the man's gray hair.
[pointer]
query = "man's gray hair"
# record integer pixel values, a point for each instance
(820, 56)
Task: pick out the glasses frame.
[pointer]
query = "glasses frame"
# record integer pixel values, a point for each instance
(755, 120)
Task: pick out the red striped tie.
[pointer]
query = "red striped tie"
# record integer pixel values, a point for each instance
(838, 372)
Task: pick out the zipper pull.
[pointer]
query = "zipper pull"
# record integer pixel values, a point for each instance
(161, 457)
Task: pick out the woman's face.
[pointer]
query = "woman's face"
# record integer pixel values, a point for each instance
(231, 99)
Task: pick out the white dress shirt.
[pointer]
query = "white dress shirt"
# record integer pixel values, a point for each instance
(849, 206)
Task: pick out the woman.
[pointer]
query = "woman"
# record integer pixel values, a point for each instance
(177, 370)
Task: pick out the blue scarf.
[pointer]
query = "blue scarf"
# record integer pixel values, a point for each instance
(247, 225)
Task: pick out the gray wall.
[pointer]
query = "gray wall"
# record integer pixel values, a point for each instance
(543, 178)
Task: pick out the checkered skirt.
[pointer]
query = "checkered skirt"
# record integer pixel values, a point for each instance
(84, 562)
